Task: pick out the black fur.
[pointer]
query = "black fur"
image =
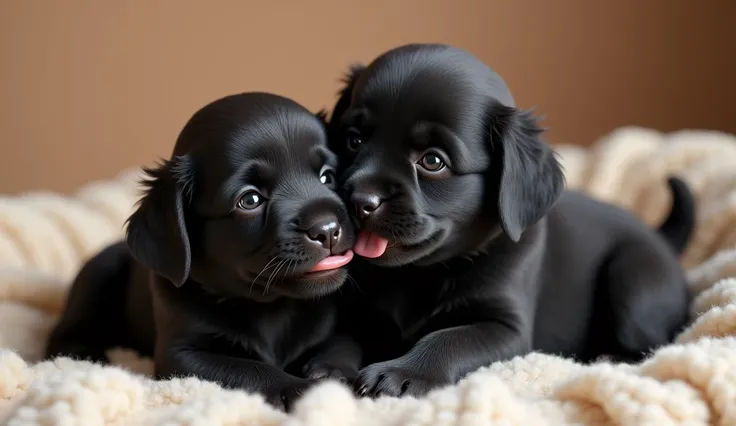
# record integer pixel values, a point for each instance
(243, 310)
(679, 226)
(488, 257)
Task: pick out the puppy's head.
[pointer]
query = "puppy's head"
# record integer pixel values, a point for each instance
(246, 205)
(435, 158)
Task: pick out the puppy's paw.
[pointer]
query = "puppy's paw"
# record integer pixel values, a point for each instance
(328, 370)
(285, 397)
(394, 378)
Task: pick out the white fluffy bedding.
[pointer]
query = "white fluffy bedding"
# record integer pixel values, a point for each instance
(44, 237)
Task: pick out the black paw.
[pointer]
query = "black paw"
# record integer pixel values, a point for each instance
(392, 378)
(325, 370)
(286, 396)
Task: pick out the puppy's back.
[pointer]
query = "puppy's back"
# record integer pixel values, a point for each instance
(603, 265)
(94, 318)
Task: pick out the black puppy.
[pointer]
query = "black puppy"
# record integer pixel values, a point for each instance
(237, 247)
(474, 252)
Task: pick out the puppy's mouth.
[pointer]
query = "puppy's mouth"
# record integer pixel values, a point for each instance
(331, 263)
(372, 246)
(276, 271)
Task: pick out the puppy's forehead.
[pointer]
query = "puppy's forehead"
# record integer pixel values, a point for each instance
(433, 81)
(276, 148)
(263, 127)
(248, 124)
(244, 135)
(276, 138)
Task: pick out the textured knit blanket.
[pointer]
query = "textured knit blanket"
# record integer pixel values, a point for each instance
(44, 237)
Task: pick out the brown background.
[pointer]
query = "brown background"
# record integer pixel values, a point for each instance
(88, 88)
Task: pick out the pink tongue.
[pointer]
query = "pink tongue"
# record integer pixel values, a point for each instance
(333, 262)
(370, 245)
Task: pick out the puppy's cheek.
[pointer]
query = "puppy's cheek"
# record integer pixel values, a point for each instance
(232, 243)
(295, 250)
(404, 222)
(458, 197)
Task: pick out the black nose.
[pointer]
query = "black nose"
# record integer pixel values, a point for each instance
(365, 204)
(325, 232)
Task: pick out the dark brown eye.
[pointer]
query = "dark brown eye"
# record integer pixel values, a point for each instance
(354, 140)
(432, 162)
(327, 177)
(251, 200)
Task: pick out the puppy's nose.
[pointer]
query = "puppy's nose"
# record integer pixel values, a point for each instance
(365, 204)
(325, 232)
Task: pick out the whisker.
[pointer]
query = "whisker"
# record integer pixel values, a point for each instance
(268, 265)
(274, 275)
(274, 271)
(286, 273)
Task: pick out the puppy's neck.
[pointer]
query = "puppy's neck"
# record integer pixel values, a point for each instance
(486, 241)
(466, 244)
(494, 241)
(222, 291)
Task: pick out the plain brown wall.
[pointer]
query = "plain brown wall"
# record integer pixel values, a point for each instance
(90, 87)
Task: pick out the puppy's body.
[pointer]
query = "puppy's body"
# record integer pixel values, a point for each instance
(474, 252)
(231, 260)
(583, 293)
(112, 304)
(610, 285)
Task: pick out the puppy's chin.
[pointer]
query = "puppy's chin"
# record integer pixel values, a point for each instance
(314, 284)
(309, 285)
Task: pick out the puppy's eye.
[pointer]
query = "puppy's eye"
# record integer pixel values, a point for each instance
(251, 200)
(353, 140)
(432, 162)
(327, 177)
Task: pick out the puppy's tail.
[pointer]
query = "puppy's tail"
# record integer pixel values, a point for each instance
(679, 226)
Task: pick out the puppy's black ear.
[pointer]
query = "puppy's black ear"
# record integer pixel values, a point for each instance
(157, 233)
(531, 177)
(345, 96)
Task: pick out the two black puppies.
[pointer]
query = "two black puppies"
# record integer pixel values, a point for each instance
(471, 252)
(237, 248)
(475, 253)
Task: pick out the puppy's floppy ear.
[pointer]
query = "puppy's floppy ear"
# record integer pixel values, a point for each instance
(531, 177)
(157, 234)
(346, 94)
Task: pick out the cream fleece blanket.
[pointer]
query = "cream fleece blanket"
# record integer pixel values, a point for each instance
(44, 237)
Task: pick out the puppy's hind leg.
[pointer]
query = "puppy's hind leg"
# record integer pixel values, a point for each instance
(642, 301)
(93, 319)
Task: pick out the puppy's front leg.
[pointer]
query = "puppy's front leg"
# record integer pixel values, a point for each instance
(338, 358)
(443, 357)
(279, 388)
